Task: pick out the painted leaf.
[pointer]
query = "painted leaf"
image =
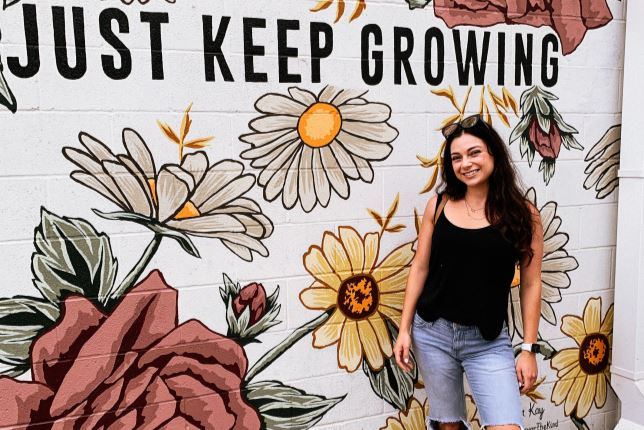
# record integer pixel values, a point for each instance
(287, 408)
(8, 3)
(413, 4)
(6, 96)
(184, 241)
(321, 5)
(376, 216)
(22, 319)
(393, 384)
(71, 257)
(169, 132)
(200, 142)
(361, 5)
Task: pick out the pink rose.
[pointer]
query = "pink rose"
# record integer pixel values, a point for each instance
(570, 19)
(135, 368)
(547, 145)
(252, 296)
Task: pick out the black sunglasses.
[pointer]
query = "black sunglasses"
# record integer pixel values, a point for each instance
(464, 124)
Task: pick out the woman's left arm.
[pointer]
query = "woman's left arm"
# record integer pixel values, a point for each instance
(530, 296)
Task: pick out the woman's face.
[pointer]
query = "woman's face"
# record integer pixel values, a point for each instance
(472, 162)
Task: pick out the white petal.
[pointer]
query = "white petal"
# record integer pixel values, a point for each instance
(363, 148)
(322, 186)
(236, 188)
(306, 189)
(275, 184)
(139, 152)
(216, 177)
(143, 181)
(196, 164)
(347, 96)
(273, 122)
(279, 104)
(302, 96)
(278, 152)
(96, 148)
(370, 112)
(208, 224)
(344, 160)
(334, 173)
(364, 168)
(130, 186)
(329, 93)
(289, 194)
(267, 148)
(259, 139)
(172, 193)
(90, 181)
(243, 240)
(280, 161)
(378, 132)
(241, 251)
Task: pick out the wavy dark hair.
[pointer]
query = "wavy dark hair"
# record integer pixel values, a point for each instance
(506, 206)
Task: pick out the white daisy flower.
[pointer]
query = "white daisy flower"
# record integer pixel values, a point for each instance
(308, 145)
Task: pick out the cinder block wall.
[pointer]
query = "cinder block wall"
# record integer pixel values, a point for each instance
(209, 208)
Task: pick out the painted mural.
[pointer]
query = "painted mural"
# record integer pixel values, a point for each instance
(231, 197)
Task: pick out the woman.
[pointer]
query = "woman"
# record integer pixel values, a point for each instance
(472, 236)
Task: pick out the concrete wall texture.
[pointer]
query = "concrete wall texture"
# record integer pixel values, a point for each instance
(219, 203)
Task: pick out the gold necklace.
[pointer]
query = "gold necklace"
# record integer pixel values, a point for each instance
(472, 210)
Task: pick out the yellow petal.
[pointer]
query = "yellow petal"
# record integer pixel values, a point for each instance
(393, 424)
(354, 247)
(370, 344)
(607, 324)
(573, 326)
(329, 333)
(395, 282)
(382, 334)
(350, 350)
(575, 393)
(565, 358)
(393, 300)
(371, 249)
(414, 418)
(317, 265)
(600, 394)
(587, 396)
(561, 390)
(592, 315)
(394, 262)
(570, 372)
(318, 298)
(336, 255)
(392, 314)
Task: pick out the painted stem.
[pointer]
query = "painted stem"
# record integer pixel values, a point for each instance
(272, 355)
(136, 271)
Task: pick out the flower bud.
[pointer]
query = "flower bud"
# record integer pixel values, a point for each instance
(253, 296)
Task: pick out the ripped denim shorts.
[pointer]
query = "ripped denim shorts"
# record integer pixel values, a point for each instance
(444, 351)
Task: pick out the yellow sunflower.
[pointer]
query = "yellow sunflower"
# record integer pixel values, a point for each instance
(584, 371)
(412, 419)
(362, 292)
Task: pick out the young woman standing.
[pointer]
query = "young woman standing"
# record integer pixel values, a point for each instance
(472, 236)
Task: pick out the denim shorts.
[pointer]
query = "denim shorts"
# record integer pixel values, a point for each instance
(444, 351)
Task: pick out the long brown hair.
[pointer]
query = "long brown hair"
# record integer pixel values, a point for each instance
(506, 206)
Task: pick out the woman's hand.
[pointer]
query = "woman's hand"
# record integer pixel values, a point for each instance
(526, 371)
(401, 350)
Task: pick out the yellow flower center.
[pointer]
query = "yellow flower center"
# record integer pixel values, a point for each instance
(319, 124)
(189, 210)
(593, 353)
(516, 281)
(358, 297)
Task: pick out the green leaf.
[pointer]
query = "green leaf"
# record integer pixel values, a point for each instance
(521, 127)
(22, 319)
(71, 258)
(415, 4)
(286, 408)
(184, 241)
(393, 384)
(7, 98)
(8, 3)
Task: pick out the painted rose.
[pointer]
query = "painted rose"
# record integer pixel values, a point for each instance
(570, 19)
(134, 368)
(252, 296)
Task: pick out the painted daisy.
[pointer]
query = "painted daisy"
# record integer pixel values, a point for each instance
(308, 145)
(583, 372)
(554, 269)
(362, 293)
(411, 419)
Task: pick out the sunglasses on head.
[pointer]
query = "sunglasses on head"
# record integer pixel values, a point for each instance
(464, 124)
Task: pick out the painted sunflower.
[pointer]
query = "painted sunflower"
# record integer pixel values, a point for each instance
(362, 292)
(413, 418)
(584, 372)
(554, 268)
(307, 145)
(194, 197)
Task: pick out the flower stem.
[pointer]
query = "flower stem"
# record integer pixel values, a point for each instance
(115, 293)
(268, 358)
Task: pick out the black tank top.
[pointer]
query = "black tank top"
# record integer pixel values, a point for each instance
(469, 279)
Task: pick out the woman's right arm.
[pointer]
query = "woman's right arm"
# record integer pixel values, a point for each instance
(415, 282)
